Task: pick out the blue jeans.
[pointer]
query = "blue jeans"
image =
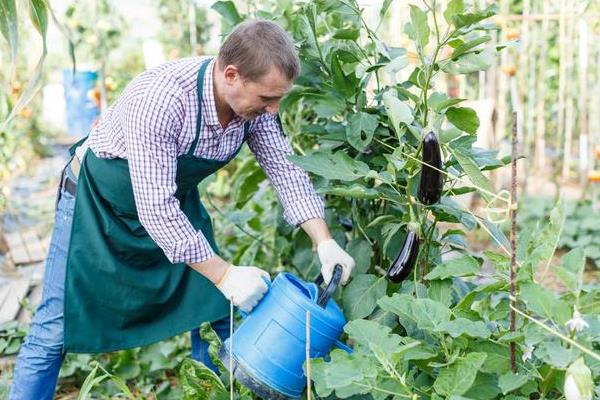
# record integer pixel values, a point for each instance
(41, 354)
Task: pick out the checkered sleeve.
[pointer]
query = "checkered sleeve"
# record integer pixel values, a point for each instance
(292, 184)
(150, 122)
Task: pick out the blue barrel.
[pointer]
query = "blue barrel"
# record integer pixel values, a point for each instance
(81, 109)
(269, 346)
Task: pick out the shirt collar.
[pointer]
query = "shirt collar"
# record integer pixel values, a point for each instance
(209, 108)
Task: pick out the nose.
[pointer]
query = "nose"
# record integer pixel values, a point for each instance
(272, 108)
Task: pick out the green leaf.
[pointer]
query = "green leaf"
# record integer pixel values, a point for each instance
(384, 7)
(461, 266)
(228, 11)
(347, 85)
(418, 20)
(509, 381)
(332, 166)
(372, 337)
(453, 8)
(462, 19)
(544, 303)
(440, 290)
(463, 326)
(347, 34)
(470, 62)
(464, 118)
(571, 270)
(198, 381)
(208, 334)
(344, 374)
(440, 101)
(398, 111)
(360, 129)
(473, 172)
(355, 191)
(555, 354)
(463, 48)
(9, 26)
(360, 296)
(545, 244)
(459, 377)
(362, 252)
(38, 12)
(427, 314)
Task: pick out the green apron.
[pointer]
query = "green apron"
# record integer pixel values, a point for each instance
(121, 291)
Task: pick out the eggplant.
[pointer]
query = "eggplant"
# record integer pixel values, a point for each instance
(405, 260)
(430, 182)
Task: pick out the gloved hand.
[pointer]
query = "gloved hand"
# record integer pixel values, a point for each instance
(330, 254)
(245, 285)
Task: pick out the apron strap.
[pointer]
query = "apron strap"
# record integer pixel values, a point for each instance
(200, 85)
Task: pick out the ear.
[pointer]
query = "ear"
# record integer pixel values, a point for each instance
(231, 74)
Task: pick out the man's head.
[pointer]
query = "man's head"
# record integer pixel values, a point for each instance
(256, 66)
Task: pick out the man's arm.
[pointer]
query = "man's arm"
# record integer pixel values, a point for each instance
(302, 206)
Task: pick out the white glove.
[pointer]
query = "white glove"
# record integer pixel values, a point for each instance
(244, 285)
(330, 254)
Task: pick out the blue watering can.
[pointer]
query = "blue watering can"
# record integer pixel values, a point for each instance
(269, 346)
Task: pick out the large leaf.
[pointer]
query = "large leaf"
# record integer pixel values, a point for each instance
(571, 270)
(463, 48)
(398, 111)
(463, 326)
(198, 381)
(470, 62)
(360, 129)
(9, 26)
(440, 101)
(460, 266)
(378, 340)
(462, 19)
(362, 252)
(544, 303)
(354, 191)
(361, 295)
(425, 313)
(418, 19)
(545, 244)
(344, 373)
(453, 8)
(473, 172)
(458, 378)
(464, 118)
(332, 166)
(228, 11)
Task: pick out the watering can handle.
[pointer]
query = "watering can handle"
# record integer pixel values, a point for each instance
(325, 294)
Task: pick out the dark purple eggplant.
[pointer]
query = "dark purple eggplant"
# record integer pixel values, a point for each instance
(405, 260)
(430, 182)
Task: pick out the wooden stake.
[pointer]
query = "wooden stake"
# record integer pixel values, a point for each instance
(513, 234)
(308, 388)
(231, 348)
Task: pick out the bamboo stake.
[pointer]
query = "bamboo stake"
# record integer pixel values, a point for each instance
(561, 78)
(569, 112)
(582, 103)
(308, 388)
(540, 130)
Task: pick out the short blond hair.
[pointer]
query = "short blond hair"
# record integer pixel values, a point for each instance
(255, 46)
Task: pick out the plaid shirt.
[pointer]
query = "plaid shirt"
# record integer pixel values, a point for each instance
(154, 121)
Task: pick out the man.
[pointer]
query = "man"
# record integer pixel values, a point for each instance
(132, 258)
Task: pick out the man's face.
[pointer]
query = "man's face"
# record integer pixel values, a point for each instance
(249, 99)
